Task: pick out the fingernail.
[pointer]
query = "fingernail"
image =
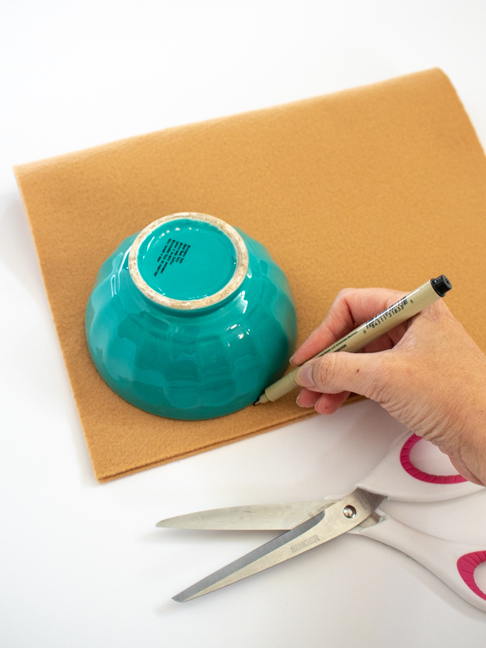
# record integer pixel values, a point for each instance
(304, 377)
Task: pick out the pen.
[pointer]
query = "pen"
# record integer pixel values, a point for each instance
(391, 317)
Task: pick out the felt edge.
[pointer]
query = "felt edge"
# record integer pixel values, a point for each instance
(103, 478)
(19, 168)
(459, 101)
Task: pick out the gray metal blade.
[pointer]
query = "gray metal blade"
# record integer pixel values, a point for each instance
(256, 517)
(339, 518)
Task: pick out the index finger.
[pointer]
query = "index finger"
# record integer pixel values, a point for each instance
(351, 308)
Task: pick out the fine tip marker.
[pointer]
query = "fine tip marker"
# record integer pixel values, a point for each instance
(403, 310)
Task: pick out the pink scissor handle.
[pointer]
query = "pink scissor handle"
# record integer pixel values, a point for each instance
(396, 477)
(416, 473)
(452, 562)
(466, 566)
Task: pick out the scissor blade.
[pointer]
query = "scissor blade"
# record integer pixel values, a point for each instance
(339, 518)
(256, 517)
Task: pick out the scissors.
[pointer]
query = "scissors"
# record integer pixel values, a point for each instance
(309, 524)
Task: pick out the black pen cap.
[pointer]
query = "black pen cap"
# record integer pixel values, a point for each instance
(441, 285)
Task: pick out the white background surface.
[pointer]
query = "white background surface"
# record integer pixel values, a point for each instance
(82, 564)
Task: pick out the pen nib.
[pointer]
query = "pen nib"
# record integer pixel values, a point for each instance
(263, 399)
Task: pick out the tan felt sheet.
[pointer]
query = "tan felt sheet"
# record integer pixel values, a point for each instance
(383, 185)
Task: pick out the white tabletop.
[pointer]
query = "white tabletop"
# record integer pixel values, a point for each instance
(82, 564)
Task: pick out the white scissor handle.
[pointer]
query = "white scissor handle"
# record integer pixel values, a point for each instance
(452, 562)
(400, 480)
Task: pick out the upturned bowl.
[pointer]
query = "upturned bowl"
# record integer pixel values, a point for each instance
(190, 318)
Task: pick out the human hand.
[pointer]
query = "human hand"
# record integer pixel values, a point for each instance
(428, 373)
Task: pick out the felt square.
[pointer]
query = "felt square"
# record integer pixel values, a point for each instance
(383, 185)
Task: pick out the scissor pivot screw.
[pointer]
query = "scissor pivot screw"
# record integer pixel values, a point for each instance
(349, 511)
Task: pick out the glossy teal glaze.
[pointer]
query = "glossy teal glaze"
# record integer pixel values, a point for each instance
(187, 259)
(191, 364)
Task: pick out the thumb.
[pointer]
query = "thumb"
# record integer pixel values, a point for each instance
(333, 373)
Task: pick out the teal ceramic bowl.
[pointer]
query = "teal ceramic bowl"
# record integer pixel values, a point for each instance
(190, 318)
